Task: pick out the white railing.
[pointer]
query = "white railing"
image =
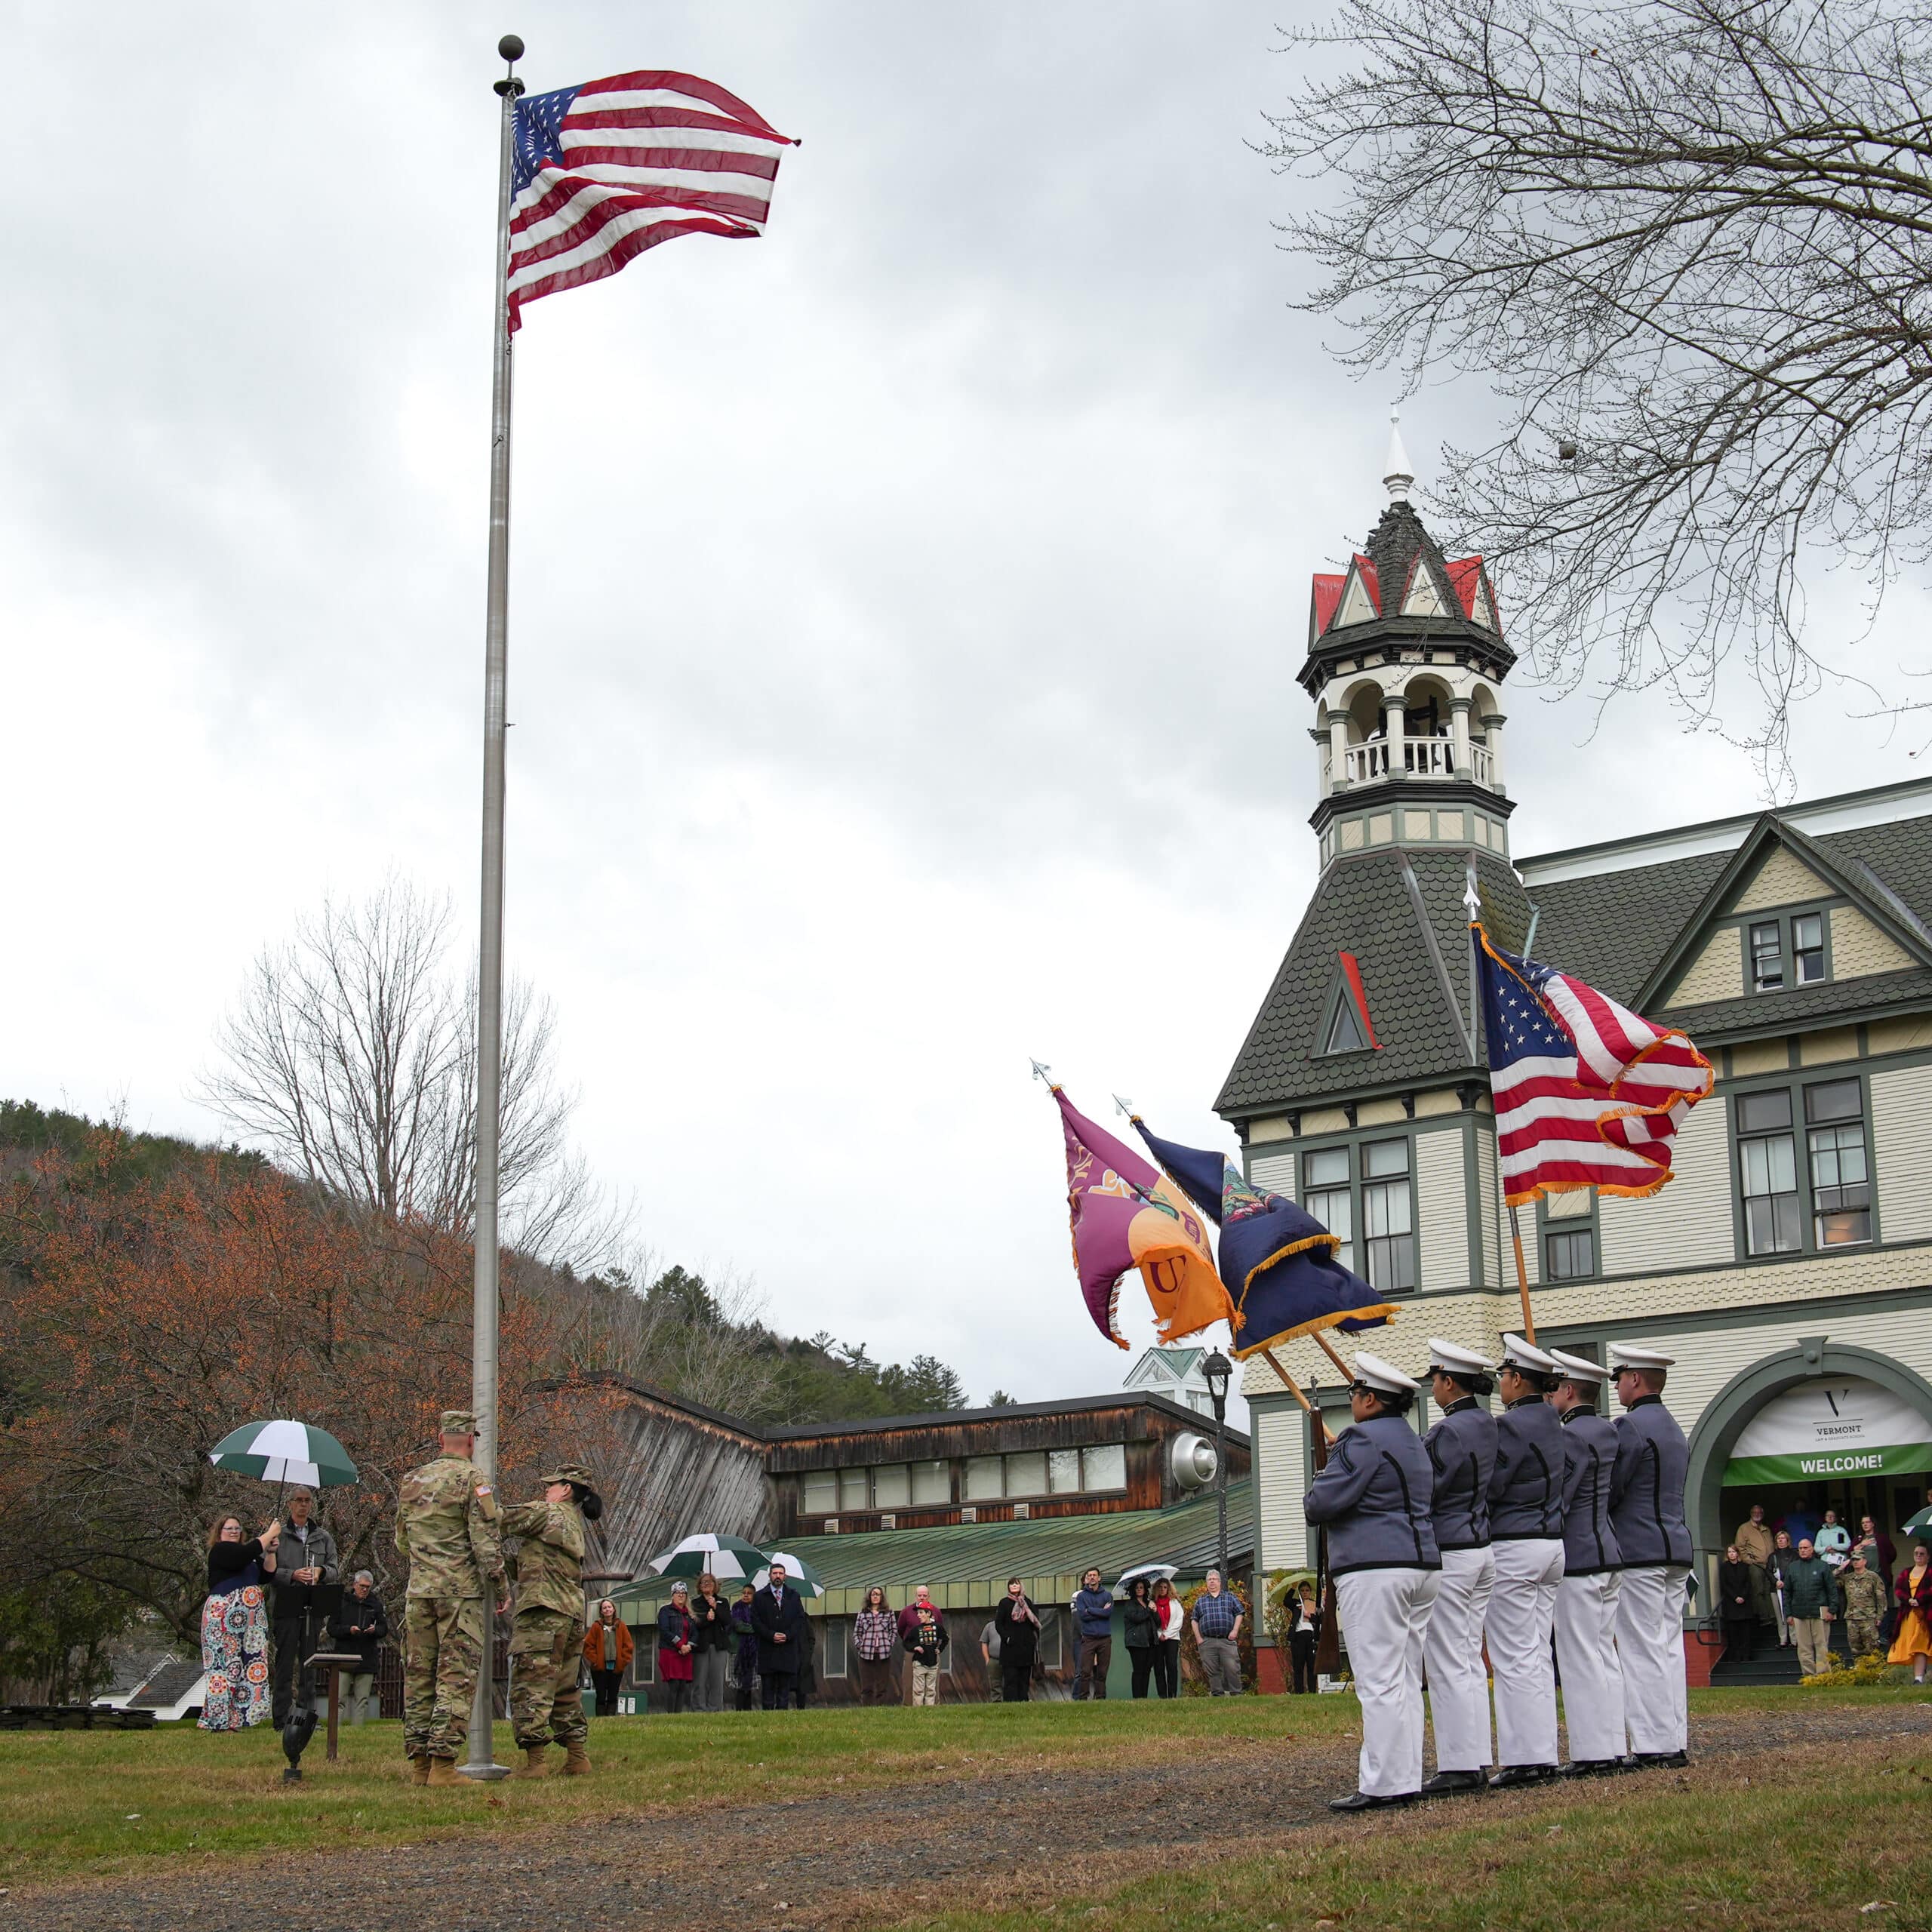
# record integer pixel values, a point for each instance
(1479, 764)
(1427, 757)
(1422, 758)
(1368, 760)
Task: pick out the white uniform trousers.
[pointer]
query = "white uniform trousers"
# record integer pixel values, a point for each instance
(1384, 1612)
(1586, 1656)
(1522, 1609)
(1452, 1651)
(1650, 1642)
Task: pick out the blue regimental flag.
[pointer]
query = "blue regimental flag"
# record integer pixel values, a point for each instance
(1277, 1261)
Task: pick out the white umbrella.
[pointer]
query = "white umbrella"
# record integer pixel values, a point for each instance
(1153, 1572)
(802, 1576)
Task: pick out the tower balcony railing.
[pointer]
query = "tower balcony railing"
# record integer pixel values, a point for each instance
(1422, 758)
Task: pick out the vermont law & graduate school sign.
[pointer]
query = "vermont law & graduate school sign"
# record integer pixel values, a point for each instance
(1839, 1427)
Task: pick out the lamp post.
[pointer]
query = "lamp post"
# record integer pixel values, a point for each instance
(1220, 1370)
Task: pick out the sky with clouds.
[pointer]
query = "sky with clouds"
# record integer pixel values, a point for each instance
(904, 617)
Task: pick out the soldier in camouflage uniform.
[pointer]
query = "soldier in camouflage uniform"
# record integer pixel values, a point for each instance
(448, 1525)
(547, 1648)
(1864, 1605)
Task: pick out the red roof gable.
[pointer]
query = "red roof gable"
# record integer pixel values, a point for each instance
(1368, 577)
(1327, 595)
(1464, 573)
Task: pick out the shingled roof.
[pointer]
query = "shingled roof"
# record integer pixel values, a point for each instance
(1399, 911)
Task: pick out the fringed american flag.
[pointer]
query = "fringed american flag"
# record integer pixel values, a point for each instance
(1588, 1093)
(604, 171)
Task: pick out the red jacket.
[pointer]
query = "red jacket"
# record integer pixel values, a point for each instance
(593, 1645)
(1904, 1596)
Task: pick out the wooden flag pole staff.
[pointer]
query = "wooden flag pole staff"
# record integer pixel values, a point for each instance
(1522, 1280)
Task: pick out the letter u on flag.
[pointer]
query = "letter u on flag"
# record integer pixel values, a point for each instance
(603, 171)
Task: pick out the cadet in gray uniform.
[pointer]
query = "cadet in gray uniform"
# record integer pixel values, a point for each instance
(1374, 1498)
(1587, 1598)
(1647, 1513)
(1526, 1531)
(1461, 1450)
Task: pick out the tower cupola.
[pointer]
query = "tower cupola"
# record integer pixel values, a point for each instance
(1406, 661)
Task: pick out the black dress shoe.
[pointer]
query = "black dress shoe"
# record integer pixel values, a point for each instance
(1592, 1767)
(1361, 1800)
(1663, 1760)
(1446, 1784)
(1512, 1775)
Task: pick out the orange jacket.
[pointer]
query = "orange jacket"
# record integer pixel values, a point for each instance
(593, 1646)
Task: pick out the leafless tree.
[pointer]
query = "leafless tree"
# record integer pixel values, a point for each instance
(1689, 242)
(350, 1058)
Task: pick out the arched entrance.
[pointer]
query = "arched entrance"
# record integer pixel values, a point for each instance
(1714, 1441)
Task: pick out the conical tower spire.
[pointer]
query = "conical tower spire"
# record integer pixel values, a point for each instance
(1399, 476)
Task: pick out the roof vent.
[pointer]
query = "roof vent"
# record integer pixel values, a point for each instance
(969, 1515)
(829, 1527)
(888, 1522)
(1022, 1511)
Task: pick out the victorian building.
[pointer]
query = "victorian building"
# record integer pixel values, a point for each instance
(1788, 1266)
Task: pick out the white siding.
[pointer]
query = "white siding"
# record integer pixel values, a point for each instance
(1276, 1172)
(1902, 1146)
(1279, 1436)
(1689, 1223)
(1442, 1209)
(1490, 1201)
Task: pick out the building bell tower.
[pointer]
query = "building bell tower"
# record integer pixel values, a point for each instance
(1405, 664)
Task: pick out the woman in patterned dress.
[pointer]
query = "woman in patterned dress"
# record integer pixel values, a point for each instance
(234, 1628)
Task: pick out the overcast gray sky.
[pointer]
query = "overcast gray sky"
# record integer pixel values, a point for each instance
(905, 606)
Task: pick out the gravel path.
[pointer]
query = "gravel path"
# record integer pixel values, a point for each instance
(837, 1863)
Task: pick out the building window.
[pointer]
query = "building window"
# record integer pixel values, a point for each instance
(853, 1490)
(1064, 1472)
(1767, 956)
(1807, 947)
(1051, 1652)
(1345, 1032)
(1387, 1216)
(1840, 1176)
(1325, 1195)
(984, 1483)
(932, 1484)
(833, 1633)
(1570, 1254)
(644, 1657)
(1105, 1467)
(1026, 1473)
(821, 1492)
(1768, 1168)
(1790, 950)
(892, 1486)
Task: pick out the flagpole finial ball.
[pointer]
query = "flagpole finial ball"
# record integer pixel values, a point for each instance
(510, 47)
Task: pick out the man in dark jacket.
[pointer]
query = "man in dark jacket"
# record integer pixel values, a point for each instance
(1587, 1598)
(1526, 1527)
(360, 1624)
(1017, 1624)
(306, 1564)
(1093, 1609)
(1647, 1513)
(778, 1618)
(1462, 1451)
(1811, 1601)
(1374, 1497)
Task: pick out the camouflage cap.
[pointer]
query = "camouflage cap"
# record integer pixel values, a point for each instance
(569, 1472)
(458, 1422)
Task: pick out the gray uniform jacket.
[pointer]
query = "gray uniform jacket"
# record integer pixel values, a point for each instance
(1646, 1487)
(1589, 1454)
(1526, 1489)
(1374, 1497)
(1462, 1450)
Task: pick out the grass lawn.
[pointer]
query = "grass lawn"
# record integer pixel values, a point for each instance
(77, 1804)
(1821, 1838)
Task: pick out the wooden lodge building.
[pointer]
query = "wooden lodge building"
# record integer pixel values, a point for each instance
(1787, 1266)
(959, 1500)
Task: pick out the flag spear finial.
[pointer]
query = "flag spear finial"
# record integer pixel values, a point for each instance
(1126, 1107)
(1043, 1072)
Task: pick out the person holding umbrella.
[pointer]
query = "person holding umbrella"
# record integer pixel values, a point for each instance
(547, 1638)
(306, 1562)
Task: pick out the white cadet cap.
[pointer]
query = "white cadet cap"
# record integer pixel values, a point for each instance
(1376, 1373)
(1578, 1368)
(1454, 1359)
(1632, 1356)
(1521, 1354)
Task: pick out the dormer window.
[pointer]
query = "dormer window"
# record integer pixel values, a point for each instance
(1345, 1030)
(1788, 950)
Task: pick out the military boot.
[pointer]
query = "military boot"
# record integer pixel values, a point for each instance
(419, 1770)
(442, 1771)
(576, 1760)
(534, 1765)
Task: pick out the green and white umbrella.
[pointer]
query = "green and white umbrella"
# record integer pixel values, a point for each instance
(802, 1576)
(1920, 1527)
(728, 1559)
(285, 1451)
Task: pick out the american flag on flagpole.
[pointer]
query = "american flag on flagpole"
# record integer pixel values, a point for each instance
(1588, 1093)
(604, 171)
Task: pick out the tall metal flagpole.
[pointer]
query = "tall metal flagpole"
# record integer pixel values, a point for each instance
(489, 958)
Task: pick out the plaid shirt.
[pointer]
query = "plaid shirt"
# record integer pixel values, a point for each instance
(872, 1633)
(1214, 1616)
